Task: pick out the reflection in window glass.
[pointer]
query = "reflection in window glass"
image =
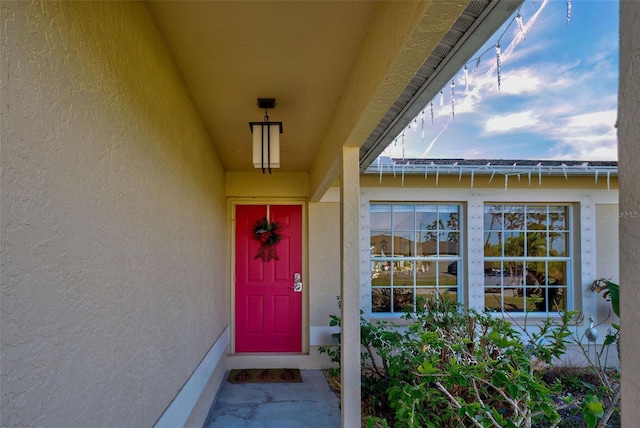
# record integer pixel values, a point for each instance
(425, 275)
(558, 242)
(448, 217)
(427, 245)
(380, 273)
(492, 244)
(380, 243)
(403, 217)
(449, 243)
(527, 263)
(415, 251)
(403, 244)
(493, 217)
(403, 299)
(513, 217)
(426, 215)
(558, 218)
(537, 244)
(537, 218)
(381, 299)
(513, 244)
(380, 217)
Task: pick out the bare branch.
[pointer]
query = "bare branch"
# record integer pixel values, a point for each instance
(456, 404)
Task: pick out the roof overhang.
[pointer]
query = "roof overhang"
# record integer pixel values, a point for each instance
(478, 22)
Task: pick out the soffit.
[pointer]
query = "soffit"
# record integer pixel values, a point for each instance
(303, 53)
(232, 52)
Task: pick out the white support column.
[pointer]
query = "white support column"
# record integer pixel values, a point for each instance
(587, 259)
(629, 158)
(349, 289)
(475, 252)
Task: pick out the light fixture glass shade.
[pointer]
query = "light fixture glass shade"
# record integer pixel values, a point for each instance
(266, 138)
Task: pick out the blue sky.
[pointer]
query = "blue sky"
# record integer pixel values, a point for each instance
(557, 98)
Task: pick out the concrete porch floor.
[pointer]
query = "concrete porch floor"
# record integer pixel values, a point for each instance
(308, 404)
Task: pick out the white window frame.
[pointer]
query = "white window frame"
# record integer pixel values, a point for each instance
(587, 266)
(437, 259)
(569, 258)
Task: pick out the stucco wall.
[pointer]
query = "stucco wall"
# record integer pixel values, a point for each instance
(324, 262)
(276, 185)
(114, 236)
(607, 224)
(608, 266)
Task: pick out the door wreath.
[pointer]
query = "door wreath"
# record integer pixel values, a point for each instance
(267, 233)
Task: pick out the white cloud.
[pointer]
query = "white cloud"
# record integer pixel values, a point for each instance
(589, 152)
(587, 136)
(521, 83)
(593, 120)
(511, 122)
(542, 80)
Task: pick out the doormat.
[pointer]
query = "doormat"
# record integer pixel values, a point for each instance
(265, 376)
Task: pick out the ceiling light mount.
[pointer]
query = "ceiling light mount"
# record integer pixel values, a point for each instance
(267, 103)
(266, 138)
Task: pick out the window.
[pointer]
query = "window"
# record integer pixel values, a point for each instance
(527, 259)
(415, 250)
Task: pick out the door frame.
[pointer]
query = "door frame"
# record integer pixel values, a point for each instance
(232, 203)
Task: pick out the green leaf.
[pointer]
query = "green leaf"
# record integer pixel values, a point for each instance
(500, 378)
(614, 289)
(510, 424)
(426, 368)
(592, 409)
(596, 408)
(590, 419)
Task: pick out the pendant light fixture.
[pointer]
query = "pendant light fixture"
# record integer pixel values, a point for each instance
(266, 138)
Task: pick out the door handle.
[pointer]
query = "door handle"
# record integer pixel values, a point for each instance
(297, 284)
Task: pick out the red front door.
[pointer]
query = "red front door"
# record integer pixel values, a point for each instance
(268, 309)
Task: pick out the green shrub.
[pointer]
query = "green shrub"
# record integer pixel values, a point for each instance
(451, 368)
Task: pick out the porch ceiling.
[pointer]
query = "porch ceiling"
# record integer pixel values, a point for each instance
(342, 72)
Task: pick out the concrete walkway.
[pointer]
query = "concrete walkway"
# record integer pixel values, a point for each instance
(309, 404)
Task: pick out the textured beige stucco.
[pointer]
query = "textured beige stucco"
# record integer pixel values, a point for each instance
(350, 288)
(275, 185)
(113, 219)
(607, 224)
(324, 262)
(629, 158)
(607, 254)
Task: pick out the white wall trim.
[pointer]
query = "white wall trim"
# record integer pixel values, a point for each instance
(180, 409)
(321, 335)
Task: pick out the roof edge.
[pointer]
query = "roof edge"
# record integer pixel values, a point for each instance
(492, 166)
